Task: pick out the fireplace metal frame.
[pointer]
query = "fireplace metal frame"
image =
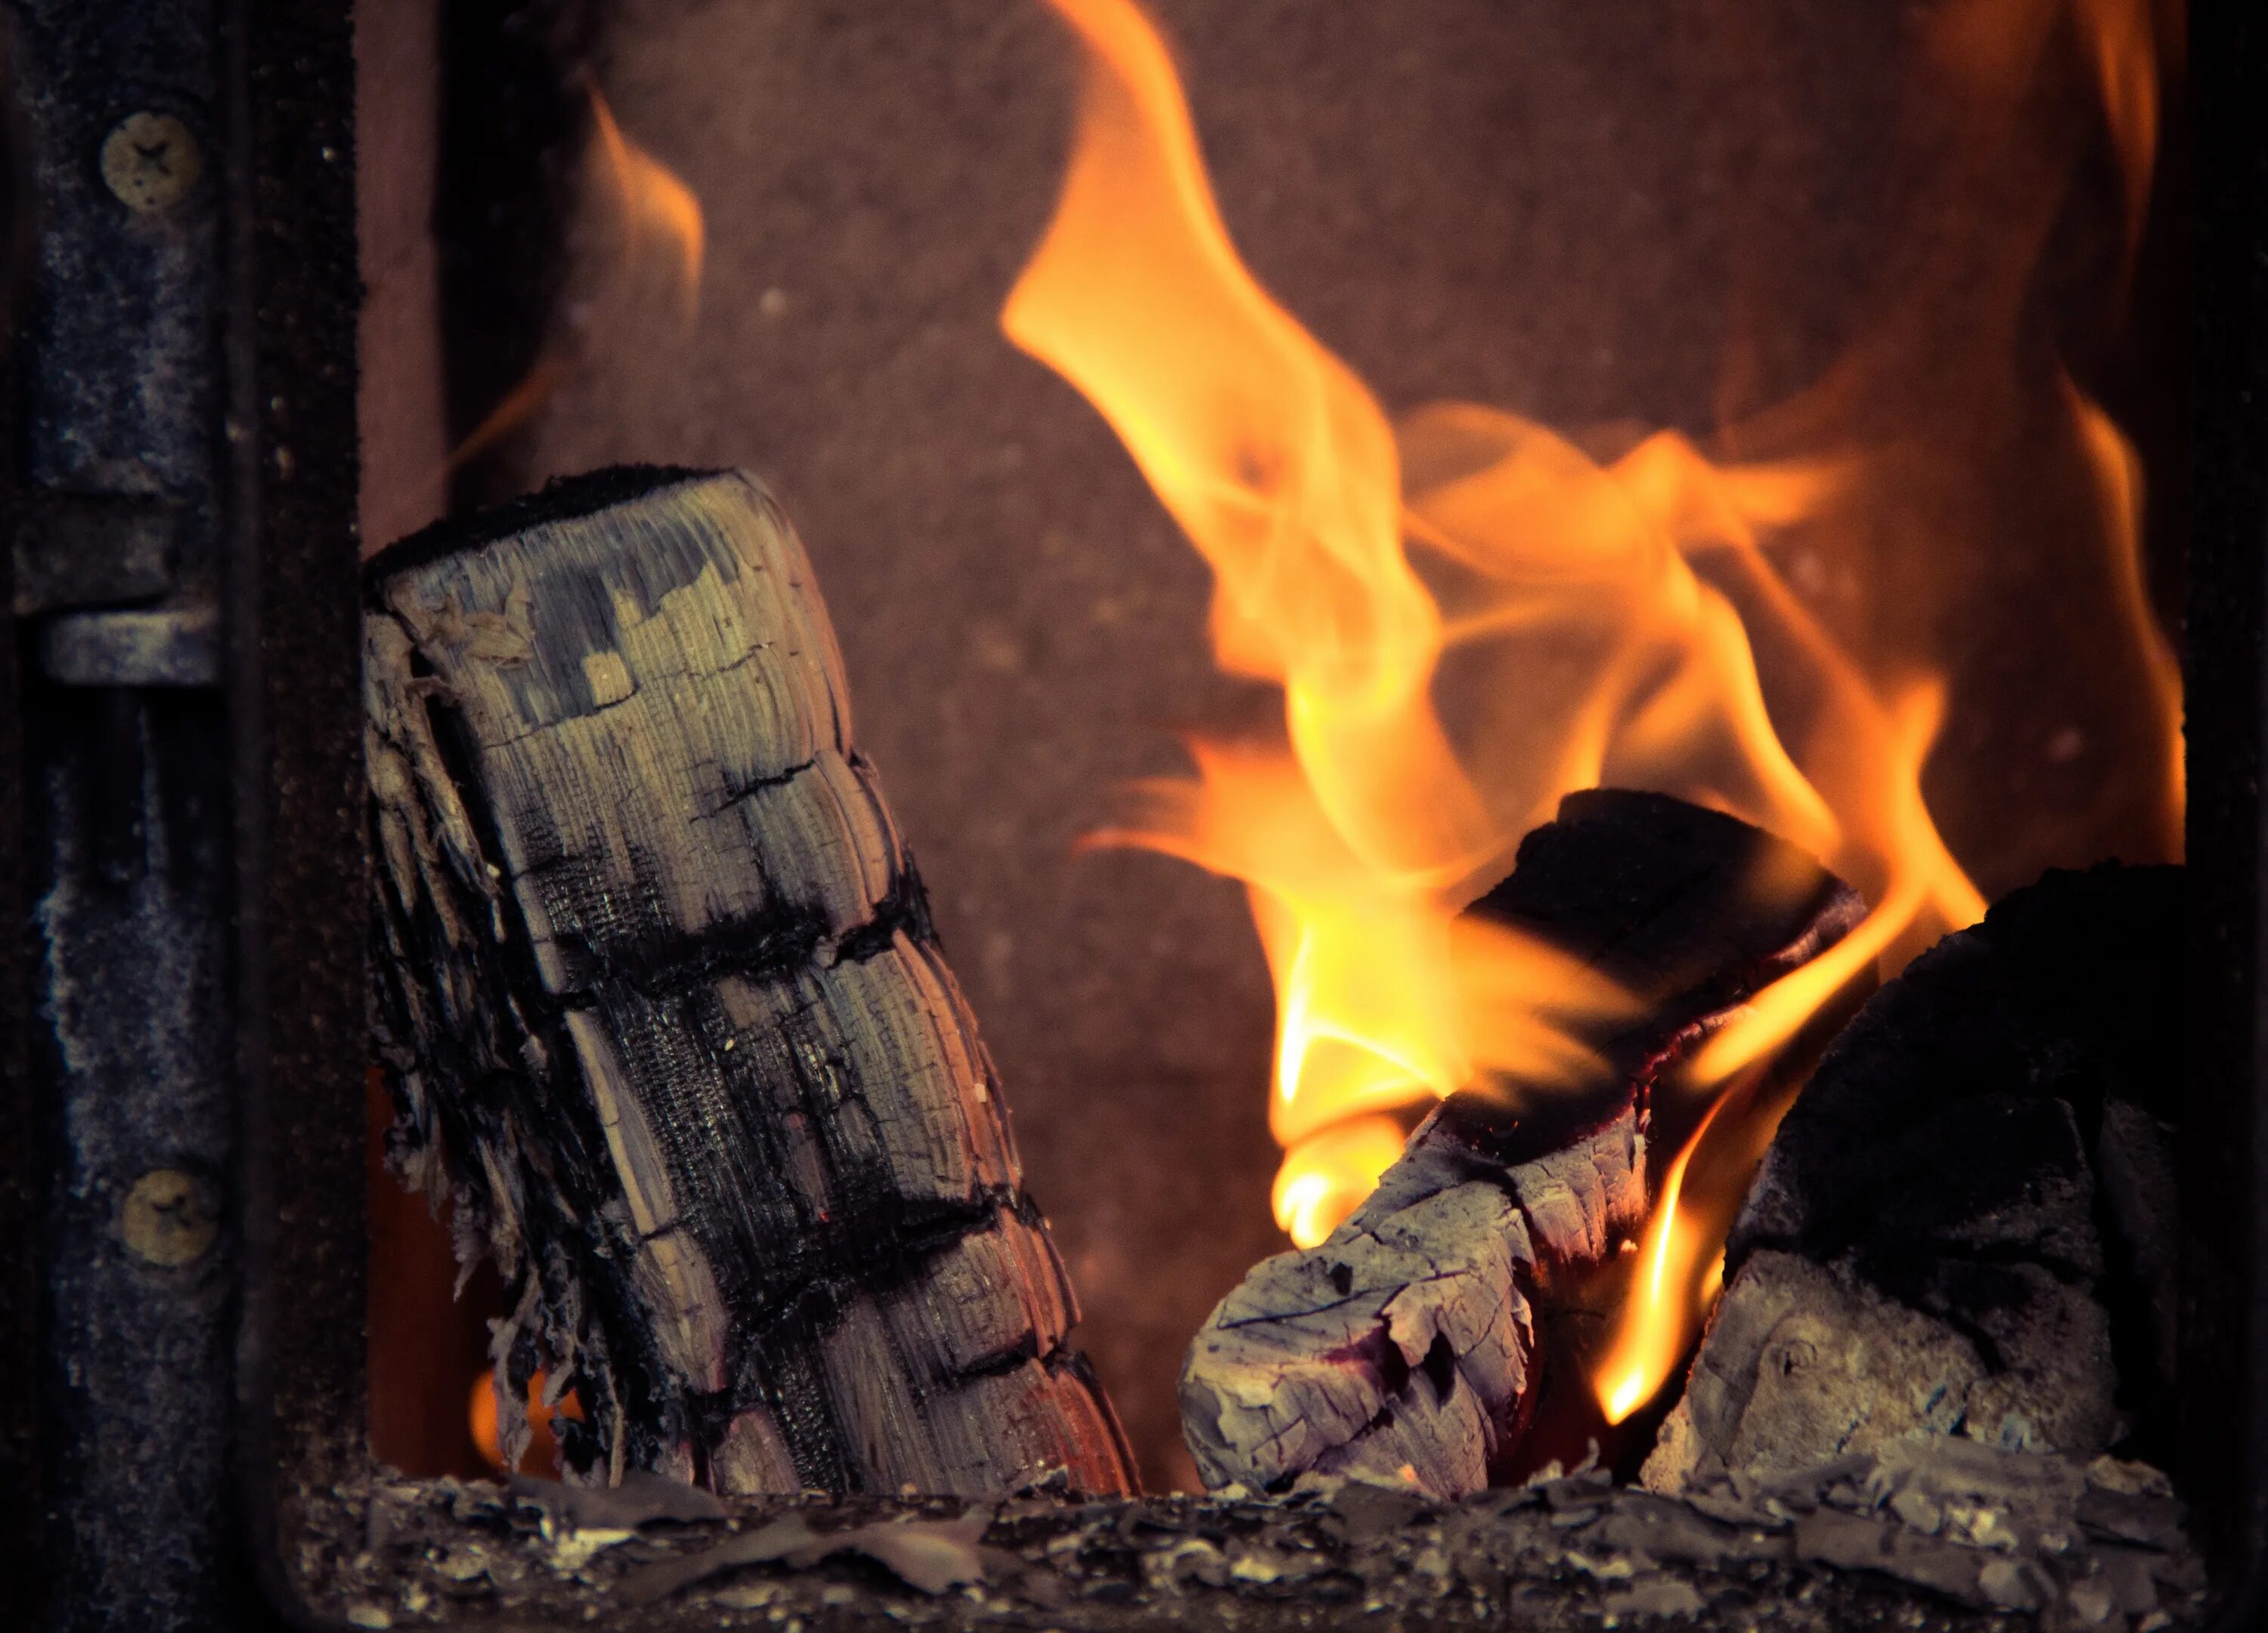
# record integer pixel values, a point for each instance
(184, 803)
(264, 728)
(2225, 1159)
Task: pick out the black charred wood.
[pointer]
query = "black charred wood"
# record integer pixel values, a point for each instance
(1965, 1226)
(664, 1011)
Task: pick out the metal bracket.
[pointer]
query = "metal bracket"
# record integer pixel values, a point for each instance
(94, 550)
(152, 646)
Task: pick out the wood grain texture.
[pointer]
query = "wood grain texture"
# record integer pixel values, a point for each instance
(1407, 1347)
(661, 1005)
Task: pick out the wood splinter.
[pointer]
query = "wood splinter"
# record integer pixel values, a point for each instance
(1406, 1347)
(663, 1012)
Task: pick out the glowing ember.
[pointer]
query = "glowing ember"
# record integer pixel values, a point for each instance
(1614, 608)
(542, 1442)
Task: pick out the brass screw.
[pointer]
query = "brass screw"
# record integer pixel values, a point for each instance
(169, 1218)
(150, 161)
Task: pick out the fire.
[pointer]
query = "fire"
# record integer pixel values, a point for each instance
(1646, 1348)
(513, 411)
(660, 223)
(660, 215)
(1613, 604)
(543, 1441)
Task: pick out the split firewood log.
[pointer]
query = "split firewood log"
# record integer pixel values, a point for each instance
(663, 1012)
(1965, 1226)
(1405, 1348)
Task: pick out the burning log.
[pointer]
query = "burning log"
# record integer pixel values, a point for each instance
(1406, 1347)
(662, 1008)
(1965, 1224)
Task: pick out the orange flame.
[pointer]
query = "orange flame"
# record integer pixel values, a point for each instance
(660, 219)
(660, 215)
(2118, 474)
(512, 411)
(1996, 51)
(1615, 610)
(1646, 1346)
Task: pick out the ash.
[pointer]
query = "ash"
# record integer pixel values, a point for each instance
(1936, 1532)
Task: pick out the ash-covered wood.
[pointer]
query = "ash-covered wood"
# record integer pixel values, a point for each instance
(1965, 1224)
(662, 1008)
(1404, 1348)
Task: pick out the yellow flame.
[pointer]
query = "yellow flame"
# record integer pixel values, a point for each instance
(1680, 1277)
(1340, 1167)
(1647, 1345)
(1614, 609)
(1780, 1011)
(1283, 470)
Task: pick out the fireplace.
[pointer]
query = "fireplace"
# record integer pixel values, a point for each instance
(781, 241)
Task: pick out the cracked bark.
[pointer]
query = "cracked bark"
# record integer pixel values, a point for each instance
(1407, 1347)
(661, 1006)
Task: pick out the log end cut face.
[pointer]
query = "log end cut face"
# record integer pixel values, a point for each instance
(1401, 1351)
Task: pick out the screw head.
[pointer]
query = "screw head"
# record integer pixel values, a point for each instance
(169, 1218)
(150, 161)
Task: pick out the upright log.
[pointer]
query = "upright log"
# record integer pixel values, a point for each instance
(1406, 1347)
(663, 1010)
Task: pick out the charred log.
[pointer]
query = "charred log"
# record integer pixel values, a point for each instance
(662, 1009)
(1965, 1224)
(1404, 1349)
